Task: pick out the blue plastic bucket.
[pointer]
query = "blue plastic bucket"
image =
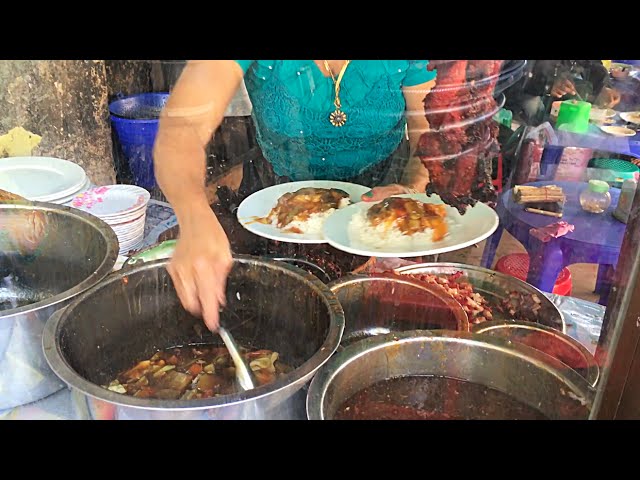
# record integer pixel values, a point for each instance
(135, 120)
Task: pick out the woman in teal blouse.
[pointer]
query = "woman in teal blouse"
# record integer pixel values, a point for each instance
(350, 120)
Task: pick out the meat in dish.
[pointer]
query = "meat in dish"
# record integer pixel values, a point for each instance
(192, 372)
(514, 306)
(462, 140)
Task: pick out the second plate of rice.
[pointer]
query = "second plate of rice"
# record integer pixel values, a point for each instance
(349, 230)
(253, 213)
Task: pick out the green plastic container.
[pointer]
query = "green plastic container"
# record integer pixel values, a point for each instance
(573, 116)
(504, 117)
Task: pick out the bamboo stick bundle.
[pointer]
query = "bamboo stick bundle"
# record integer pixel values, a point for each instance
(528, 194)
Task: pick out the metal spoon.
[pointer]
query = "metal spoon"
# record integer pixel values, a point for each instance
(242, 371)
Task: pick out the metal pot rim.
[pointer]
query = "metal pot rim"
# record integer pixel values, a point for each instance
(102, 271)
(412, 269)
(340, 361)
(59, 365)
(593, 370)
(461, 316)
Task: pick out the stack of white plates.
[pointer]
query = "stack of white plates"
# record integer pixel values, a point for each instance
(43, 179)
(123, 207)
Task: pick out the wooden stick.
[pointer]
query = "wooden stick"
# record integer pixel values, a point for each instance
(541, 200)
(543, 212)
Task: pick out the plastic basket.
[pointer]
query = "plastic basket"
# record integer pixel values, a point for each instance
(613, 171)
(135, 120)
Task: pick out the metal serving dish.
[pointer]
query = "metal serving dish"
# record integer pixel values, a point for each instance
(547, 340)
(378, 304)
(523, 373)
(494, 286)
(49, 254)
(136, 312)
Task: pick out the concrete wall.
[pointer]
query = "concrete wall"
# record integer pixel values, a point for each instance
(66, 103)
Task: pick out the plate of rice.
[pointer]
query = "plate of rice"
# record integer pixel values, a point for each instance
(408, 226)
(296, 212)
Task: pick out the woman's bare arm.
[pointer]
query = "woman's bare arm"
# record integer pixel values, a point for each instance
(193, 112)
(202, 258)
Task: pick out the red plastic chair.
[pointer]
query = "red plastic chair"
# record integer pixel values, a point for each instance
(517, 265)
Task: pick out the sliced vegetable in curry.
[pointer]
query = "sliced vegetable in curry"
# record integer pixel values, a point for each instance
(192, 372)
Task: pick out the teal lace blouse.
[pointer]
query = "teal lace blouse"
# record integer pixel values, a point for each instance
(292, 101)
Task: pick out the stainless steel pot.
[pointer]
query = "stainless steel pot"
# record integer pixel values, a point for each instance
(566, 349)
(48, 255)
(136, 312)
(523, 373)
(377, 304)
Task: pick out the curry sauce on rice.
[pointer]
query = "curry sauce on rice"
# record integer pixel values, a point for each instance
(399, 221)
(306, 209)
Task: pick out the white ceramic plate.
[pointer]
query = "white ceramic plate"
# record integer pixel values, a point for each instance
(601, 113)
(130, 217)
(67, 199)
(631, 117)
(129, 225)
(478, 223)
(112, 202)
(131, 231)
(617, 131)
(260, 204)
(41, 179)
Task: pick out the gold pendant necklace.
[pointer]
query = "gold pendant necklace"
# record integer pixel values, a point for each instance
(337, 118)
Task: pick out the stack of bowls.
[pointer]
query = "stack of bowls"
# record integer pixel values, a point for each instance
(122, 207)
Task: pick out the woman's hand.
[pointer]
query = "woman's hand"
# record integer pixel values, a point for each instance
(608, 98)
(380, 193)
(561, 87)
(200, 265)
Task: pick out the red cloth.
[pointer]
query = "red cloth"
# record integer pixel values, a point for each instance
(555, 230)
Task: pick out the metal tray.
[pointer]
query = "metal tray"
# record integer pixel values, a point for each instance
(494, 286)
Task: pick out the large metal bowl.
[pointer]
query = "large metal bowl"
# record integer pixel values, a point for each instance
(136, 312)
(548, 340)
(526, 375)
(494, 286)
(378, 304)
(48, 255)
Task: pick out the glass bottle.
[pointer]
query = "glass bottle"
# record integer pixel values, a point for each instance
(596, 197)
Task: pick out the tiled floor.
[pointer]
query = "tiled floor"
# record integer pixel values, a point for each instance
(583, 275)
